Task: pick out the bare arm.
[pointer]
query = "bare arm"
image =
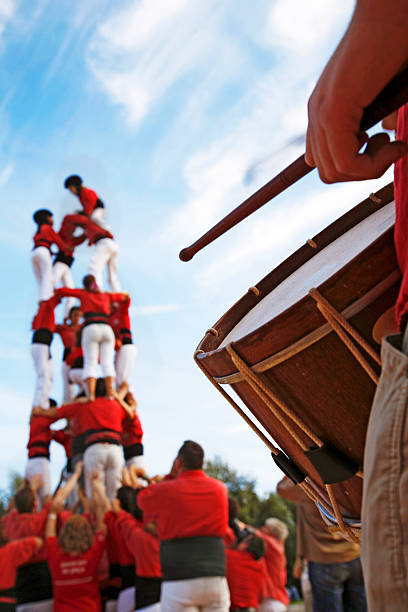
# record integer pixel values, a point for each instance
(371, 53)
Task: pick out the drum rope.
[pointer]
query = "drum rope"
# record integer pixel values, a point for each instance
(241, 413)
(256, 383)
(345, 528)
(304, 485)
(340, 325)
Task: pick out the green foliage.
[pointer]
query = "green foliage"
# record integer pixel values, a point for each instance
(254, 510)
(15, 481)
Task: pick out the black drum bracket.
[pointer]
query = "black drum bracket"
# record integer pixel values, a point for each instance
(289, 468)
(332, 465)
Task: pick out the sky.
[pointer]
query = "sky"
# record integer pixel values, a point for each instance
(173, 111)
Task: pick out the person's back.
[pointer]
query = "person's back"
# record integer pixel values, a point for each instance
(275, 597)
(245, 575)
(191, 514)
(73, 562)
(33, 577)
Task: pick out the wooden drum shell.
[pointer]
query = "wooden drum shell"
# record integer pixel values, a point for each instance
(299, 356)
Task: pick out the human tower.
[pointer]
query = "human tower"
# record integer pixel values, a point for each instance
(98, 350)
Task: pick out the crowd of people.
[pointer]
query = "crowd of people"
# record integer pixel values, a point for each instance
(111, 536)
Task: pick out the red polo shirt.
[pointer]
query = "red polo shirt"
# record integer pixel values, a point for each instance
(88, 199)
(245, 579)
(401, 219)
(63, 438)
(47, 236)
(193, 504)
(120, 320)
(40, 437)
(92, 301)
(275, 568)
(132, 432)
(26, 524)
(12, 555)
(45, 319)
(66, 233)
(67, 334)
(75, 577)
(144, 547)
(98, 419)
(117, 546)
(93, 230)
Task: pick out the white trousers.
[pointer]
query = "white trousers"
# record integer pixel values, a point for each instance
(76, 376)
(43, 367)
(40, 465)
(107, 460)
(124, 360)
(68, 388)
(47, 605)
(272, 605)
(139, 461)
(98, 339)
(42, 266)
(105, 253)
(208, 594)
(98, 216)
(62, 277)
(126, 600)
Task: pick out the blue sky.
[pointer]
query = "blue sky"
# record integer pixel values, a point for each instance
(174, 111)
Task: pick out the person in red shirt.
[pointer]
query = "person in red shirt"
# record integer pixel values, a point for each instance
(44, 238)
(24, 520)
(125, 349)
(43, 326)
(63, 260)
(97, 335)
(245, 575)
(38, 446)
(92, 205)
(101, 423)
(105, 252)
(275, 597)
(191, 514)
(132, 436)
(67, 332)
(12, 556)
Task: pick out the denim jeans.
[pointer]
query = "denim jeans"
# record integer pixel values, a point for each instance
(337, 587)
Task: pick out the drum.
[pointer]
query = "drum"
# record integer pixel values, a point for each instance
(298, 350)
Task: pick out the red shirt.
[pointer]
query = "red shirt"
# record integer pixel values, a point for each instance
(97, 417)
(132, 432)
(17, 526)
(45, 319)
(46, 236)
(40, 437)
(63, 438)
(67, 334)
(116, 544)
(144, 546)
(66, 233)
(88, 199)
(74, 354)
(274, 568)
(92, 301)
(74, 577)
(401, 219)
(245, 579)
(193, 504)
(93, 230)
(12, 555)
(119, 319)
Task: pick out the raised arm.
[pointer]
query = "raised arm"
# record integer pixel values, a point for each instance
(58, 501)
(372, 51)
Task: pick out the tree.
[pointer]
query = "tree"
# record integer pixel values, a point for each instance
(15, 481)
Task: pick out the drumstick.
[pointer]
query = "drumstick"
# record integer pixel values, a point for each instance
(394, 95)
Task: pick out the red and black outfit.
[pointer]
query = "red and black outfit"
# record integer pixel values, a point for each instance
(245, 579)
(33, 578)
(191, 514)
(40, 437)
(46, 236)
(67, 334)
(12, 556)
(132, 437)
(145, 549)
(43, 323)
(96, 305)
(66, 233)
(75, 577)
(274, 564)
(89, 200)
(120, 322)
(121, 561)
(93, 231)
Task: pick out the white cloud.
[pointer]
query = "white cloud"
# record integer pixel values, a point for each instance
(7, 11)
(5, 174)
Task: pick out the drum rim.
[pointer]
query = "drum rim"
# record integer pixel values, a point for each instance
(210, 343)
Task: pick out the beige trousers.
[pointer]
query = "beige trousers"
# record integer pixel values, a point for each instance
(384, 550)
